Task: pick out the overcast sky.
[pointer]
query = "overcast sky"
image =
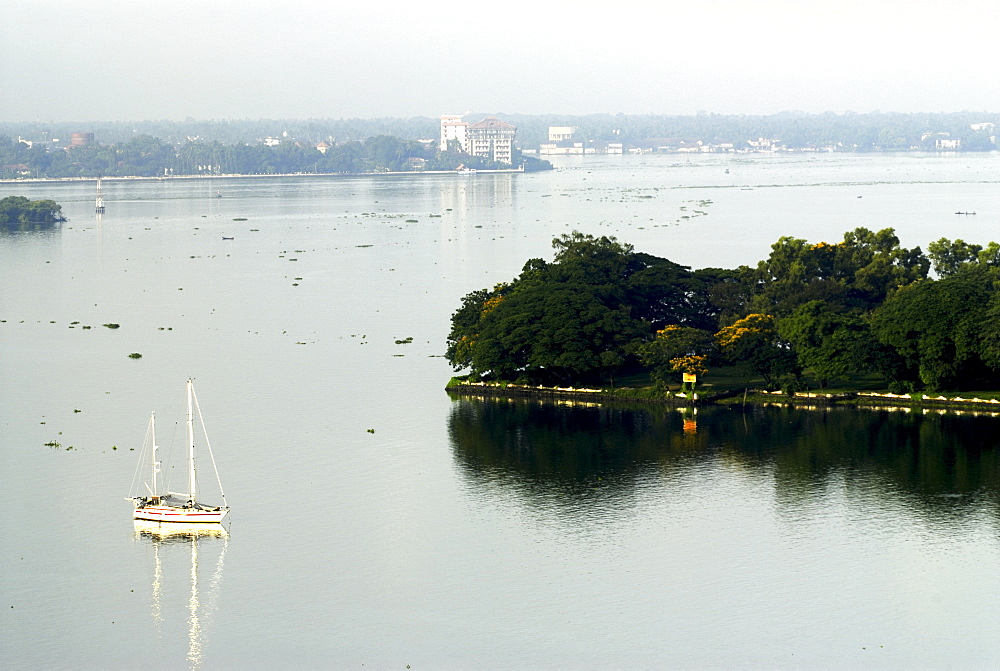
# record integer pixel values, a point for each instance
(82, 60)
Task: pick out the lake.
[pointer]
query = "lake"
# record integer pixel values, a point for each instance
(379, 523)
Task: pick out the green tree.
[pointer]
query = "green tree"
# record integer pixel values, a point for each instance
(951, 257)
(753, 344)
(574, 319)
(830, 342)
(858, 272)
(19, 212)
(990, 342)
(938, 328)
(671, 343)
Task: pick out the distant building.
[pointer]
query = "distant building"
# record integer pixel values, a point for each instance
(81, 139)
(560, 147)
(322, 147)
(15, 169)
(491, 139)
(987, 126)
(271, 141)
(947, 144)
(668, 145)
(453, 129)
(762, 144)
(559, 133)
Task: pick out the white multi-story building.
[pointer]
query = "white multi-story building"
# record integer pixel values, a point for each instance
(492, 139)
(453, 129)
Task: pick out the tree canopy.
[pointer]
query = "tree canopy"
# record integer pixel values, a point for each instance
(862, 305)
(19, 212)
(578, 316)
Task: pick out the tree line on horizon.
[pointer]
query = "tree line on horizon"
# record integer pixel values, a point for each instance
(852, 132)
(891, 130)
(148, 156)
(811, 314)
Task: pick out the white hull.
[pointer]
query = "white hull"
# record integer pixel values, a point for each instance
(179, 515)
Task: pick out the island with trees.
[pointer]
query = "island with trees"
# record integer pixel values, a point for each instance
(18, 213)
(864, 312)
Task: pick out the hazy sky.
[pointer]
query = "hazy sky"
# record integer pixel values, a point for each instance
(75, 60)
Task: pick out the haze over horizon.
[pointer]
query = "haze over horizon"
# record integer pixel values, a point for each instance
(111, 60)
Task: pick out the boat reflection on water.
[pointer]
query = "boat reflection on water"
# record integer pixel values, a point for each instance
(178, 531)
(167, 541)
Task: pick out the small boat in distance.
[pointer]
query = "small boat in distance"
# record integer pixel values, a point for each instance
(162, 506)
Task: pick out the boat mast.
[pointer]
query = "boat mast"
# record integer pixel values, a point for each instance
(190, 427)
(156, 464)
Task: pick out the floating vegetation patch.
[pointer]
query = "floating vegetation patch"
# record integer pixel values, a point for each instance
(112, 326)
(405, 341)
(239, 218)
(364, 245)
(134, 355)
(412, 221)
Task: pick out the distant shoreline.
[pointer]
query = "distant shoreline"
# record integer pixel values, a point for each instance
(167, 178)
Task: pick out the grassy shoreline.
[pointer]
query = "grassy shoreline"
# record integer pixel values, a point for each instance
(977, 402)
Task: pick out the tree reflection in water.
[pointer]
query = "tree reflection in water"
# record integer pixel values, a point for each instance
(943, 465)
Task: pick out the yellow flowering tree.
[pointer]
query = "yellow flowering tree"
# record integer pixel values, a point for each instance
(752, 343)
(675, 349)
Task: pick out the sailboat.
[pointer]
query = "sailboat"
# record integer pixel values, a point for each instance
(173, 507)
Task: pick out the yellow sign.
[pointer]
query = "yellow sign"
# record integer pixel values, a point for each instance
(690, 377)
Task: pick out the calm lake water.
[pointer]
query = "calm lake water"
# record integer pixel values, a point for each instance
(379, 523)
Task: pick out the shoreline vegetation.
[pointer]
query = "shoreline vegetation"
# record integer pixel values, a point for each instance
(969, 402)
(148, 156)
(19, 213)
(861, 320)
